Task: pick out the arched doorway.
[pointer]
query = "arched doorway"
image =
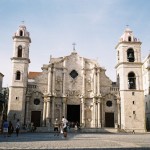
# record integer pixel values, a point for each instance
(73, 113)
(36, 117)
(109, 119)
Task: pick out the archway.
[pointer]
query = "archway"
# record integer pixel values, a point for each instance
(73, 113)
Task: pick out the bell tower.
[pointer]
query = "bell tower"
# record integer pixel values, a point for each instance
(20, 63)
(129, 78)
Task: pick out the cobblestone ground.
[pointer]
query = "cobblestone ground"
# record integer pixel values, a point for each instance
(89, 141)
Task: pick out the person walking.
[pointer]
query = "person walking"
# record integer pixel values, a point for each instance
(17, 127)
(64, 122)
(10, 129)
(56, 127)
(5, 128)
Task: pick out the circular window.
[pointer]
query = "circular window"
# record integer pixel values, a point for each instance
(109, 103)
(36, 101)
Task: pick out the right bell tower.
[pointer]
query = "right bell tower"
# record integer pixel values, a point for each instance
(129, 79)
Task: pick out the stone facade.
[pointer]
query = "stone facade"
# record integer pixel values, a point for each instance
(129, 73)
(68, 81)
(146, 86)
(74, 87)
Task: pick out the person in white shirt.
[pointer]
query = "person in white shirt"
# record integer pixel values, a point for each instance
(64, 121)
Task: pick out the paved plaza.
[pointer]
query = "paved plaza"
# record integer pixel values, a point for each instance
(82, 141)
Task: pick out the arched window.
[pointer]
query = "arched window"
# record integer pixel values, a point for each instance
(18, 75)
(129, 38)
(19, 51)
(131, 80)
(130, 55)
(21, 33)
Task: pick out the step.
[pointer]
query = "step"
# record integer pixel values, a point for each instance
(83, 130)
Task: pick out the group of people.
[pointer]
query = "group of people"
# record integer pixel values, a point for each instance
(60, 127)
(8, 128)
(30, 127)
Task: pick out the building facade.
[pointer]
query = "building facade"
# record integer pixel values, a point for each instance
(146, 84)
(129, 76)
(78, 88)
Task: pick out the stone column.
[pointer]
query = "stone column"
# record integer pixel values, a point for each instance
(83, 77)
(64, 82)
(48, 112)
(44, 111)
(27, 119)
(98, 81)
(64, 78)
(83, 82)
(94, 81)
(53, 109)
(53, 82)
(99, 113)
(94, 112)
(64, 106)
(83, 111)
(103, 113)
(49, 81)
(119, 112)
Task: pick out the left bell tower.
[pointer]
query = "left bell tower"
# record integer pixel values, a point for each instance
(20, 64)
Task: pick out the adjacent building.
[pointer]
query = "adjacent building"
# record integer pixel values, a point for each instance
(146, 84)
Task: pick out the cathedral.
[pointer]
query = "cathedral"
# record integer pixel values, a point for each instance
(78, 88)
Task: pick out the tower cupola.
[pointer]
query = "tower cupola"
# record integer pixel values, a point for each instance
(22, 33)
(128, 36)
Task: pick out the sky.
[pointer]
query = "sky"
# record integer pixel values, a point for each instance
(94, 25)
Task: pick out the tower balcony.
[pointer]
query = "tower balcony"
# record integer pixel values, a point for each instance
(114, 89)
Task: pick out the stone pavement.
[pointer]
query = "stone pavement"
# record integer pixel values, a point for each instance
(77, 141)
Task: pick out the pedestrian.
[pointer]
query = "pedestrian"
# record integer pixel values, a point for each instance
(33, 127)
(61, 128)
(10, 128)
(17, 127)
(56, 127)
(64, 121)
(75, 127)
(5, 128)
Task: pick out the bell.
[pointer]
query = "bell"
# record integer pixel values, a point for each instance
(130, 55)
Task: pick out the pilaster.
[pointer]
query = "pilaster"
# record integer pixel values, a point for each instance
(44, 110)
(27, 119)
(49, 81)
(48, 110)
(83, 111)
(99, 112)
(94, 113)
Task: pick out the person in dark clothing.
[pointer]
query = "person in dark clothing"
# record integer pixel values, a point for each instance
(17, 127)
(10, 128)
(5, 128)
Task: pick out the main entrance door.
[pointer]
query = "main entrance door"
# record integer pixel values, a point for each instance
(73, 113)
(36, 117)
(109, 119)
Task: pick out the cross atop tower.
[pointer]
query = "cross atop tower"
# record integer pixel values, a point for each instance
(23, 22)
(74, 44)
